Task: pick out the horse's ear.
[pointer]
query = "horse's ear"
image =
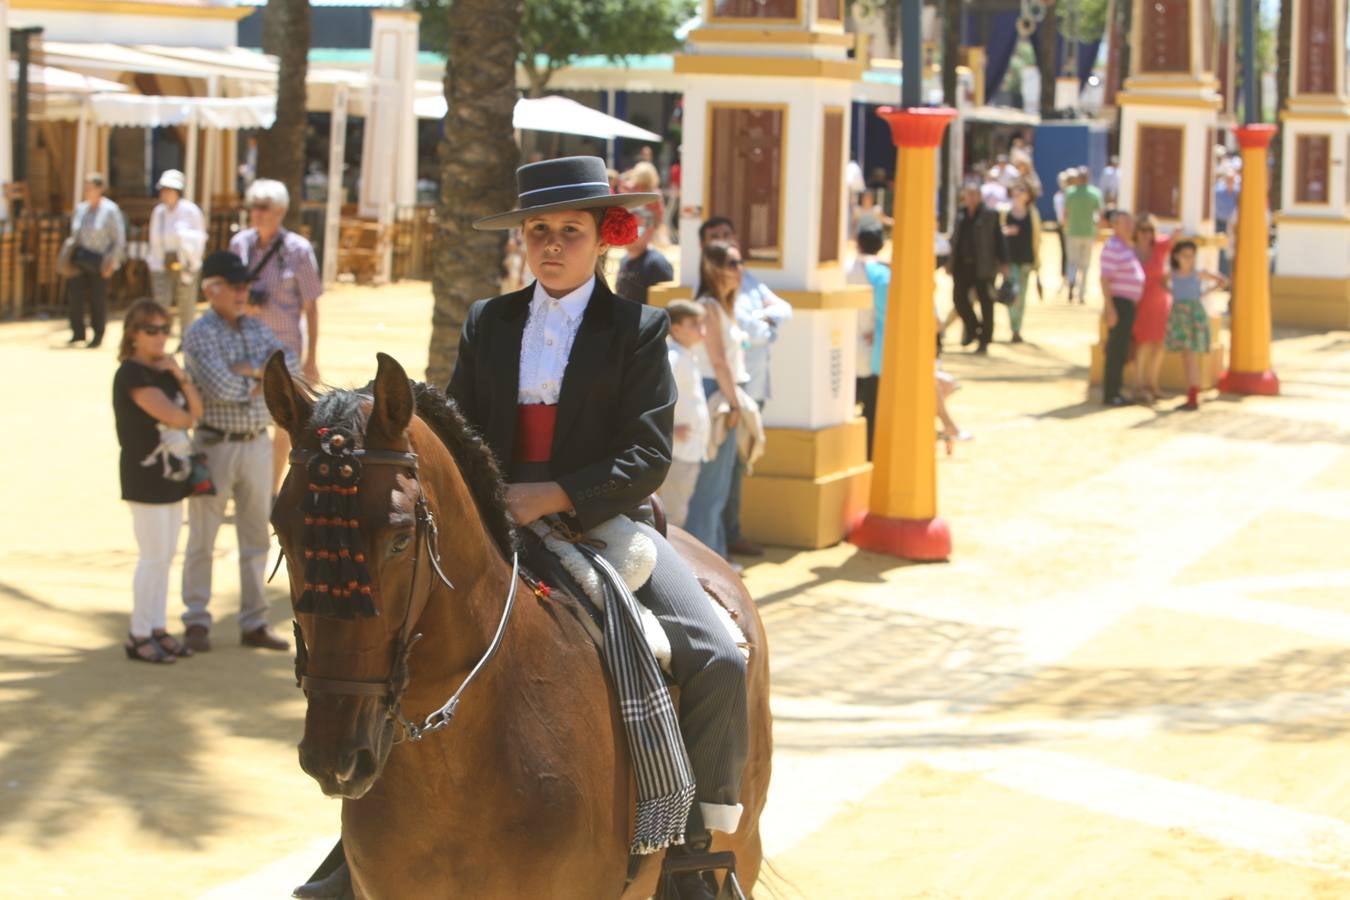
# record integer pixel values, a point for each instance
(290, 408)
(394, 403)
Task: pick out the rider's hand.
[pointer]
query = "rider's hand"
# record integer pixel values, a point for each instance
(529, 502)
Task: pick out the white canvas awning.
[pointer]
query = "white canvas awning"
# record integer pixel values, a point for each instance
(136, 111)
(51, 80)
(560, 115)
(118, 58)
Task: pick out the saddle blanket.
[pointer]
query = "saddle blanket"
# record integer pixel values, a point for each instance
(633, 555)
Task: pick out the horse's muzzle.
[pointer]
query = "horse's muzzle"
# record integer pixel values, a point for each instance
(344, 757)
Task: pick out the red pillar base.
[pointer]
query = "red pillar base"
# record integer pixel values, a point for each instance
(922, 540)
(1265, 384)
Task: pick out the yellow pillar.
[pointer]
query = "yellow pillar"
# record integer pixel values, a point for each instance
(1249, 369)
(903, 519)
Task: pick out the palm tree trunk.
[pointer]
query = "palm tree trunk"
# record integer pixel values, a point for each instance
(1284, 41)
(281, 149)
(478, 159)
(1049, 57)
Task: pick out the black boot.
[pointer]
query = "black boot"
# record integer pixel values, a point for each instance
(681, 882)
(332, 880)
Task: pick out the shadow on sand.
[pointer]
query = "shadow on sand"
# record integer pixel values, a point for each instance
(85, 728)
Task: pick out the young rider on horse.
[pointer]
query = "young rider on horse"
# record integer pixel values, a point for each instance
(571, 387)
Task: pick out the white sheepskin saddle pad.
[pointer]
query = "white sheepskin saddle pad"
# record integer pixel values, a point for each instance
(632, 553)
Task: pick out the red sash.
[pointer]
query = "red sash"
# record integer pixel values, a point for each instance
(534, 432)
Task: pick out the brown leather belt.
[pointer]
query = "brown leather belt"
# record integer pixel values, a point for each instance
(232, 436)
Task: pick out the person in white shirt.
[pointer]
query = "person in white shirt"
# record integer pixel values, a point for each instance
(692, 422)
(177, 244)
(993, 191)
(1109, 182)
(759, 313)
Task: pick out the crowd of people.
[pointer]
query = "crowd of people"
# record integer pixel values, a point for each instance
(1153, 291)
(262, 298)
(262, 295)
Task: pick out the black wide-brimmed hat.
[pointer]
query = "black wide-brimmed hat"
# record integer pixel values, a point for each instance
(573, 182)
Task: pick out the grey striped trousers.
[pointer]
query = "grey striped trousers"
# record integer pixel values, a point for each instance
(710, 671)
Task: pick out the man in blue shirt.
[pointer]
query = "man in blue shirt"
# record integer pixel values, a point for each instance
(225, 351)
(1225, 209)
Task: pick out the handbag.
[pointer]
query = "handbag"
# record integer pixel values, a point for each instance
(87, 261)
(65, 265)
(74, 260)
(1007, 292)
(179, 463)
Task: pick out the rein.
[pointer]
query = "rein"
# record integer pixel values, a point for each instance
(392, 688)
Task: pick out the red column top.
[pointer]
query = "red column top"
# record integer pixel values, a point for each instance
(920, 126)
(1254, 137)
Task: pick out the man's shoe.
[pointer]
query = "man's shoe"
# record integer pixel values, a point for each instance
(198, 639)
(982, 350)
(264, 638)
(746, 547)
(75, 340)
(1117, 401)
(94, 344)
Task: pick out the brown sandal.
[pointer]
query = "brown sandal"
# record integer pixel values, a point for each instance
(169, 644)
(147, 650)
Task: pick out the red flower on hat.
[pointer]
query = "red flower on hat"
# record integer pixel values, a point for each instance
(619, 227)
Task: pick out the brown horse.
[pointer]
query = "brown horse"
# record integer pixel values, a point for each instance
(528, 792)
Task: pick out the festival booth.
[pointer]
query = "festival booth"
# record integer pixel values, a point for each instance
(768, 89)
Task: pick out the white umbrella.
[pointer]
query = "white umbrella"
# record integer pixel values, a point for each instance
(556, 114)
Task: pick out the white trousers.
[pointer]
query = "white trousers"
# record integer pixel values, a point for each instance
(678, 488)
(170, 292)
(156, 526)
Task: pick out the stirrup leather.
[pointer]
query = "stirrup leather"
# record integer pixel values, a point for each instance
(724, 861)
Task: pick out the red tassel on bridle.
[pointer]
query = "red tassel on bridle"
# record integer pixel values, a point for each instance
(337, 580)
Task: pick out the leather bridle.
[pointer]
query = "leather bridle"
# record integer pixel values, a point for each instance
(392, 688)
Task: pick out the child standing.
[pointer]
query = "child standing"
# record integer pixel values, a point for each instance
(692, 422)
(1188, 323)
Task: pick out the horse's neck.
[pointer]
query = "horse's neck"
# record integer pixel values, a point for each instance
(457, 626)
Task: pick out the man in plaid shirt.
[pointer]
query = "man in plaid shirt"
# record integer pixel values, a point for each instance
(225, 352)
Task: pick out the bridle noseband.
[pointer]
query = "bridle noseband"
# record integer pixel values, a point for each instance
(391, 689)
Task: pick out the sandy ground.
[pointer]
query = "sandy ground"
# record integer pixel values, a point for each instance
(1132, 680)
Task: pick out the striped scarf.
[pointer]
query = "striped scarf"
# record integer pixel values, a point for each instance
(665, 779)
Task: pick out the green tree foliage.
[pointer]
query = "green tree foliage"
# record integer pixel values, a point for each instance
(555, 32)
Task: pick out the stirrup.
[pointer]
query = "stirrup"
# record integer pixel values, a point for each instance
(724, 861)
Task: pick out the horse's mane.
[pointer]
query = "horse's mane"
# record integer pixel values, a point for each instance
(478, 465)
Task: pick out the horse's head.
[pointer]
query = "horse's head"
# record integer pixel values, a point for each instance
(356, 531)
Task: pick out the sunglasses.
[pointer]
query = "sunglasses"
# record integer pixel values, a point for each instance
(261, 207)
(733, 264)
(155, 329)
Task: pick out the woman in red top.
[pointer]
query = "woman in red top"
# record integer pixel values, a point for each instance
(1150, 324)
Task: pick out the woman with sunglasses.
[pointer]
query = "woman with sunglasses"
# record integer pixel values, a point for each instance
(151, 394)
(721, 359)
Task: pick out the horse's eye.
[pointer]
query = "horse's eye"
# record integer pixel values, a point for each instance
(400, 543)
